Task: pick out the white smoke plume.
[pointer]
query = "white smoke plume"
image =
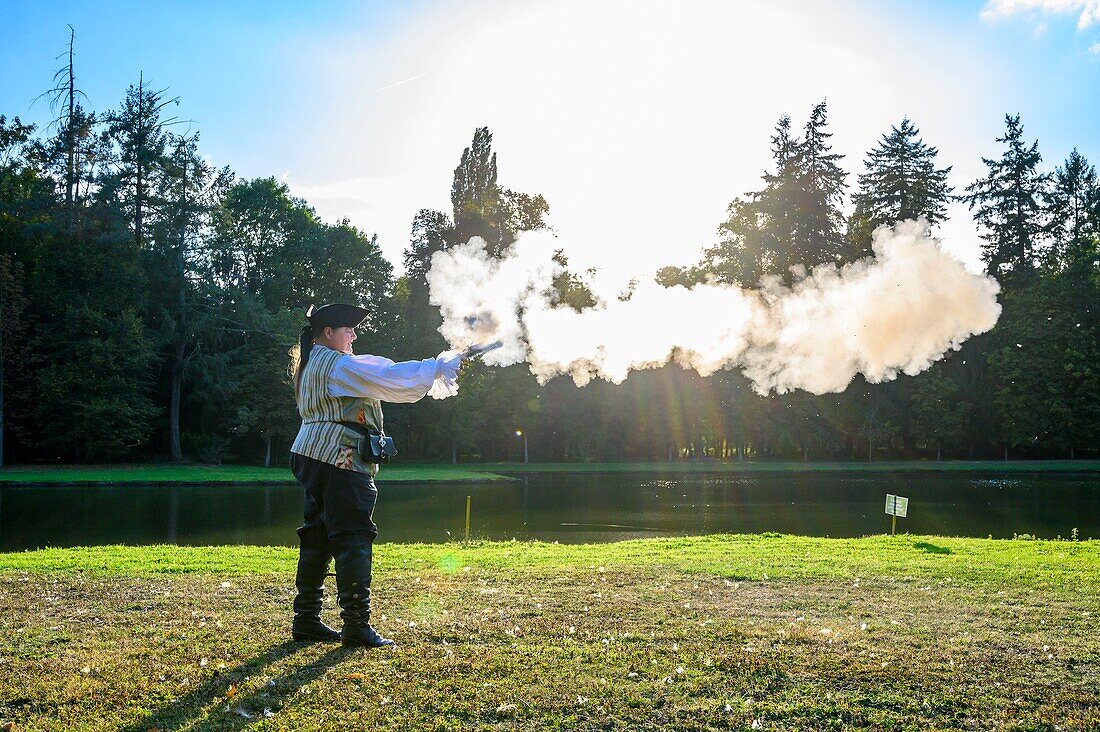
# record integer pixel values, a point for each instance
(895, 312)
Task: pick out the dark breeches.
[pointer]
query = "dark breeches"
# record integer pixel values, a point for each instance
(338, 502)
(339, 522)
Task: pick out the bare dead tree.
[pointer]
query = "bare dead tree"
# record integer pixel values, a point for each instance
(63, 103)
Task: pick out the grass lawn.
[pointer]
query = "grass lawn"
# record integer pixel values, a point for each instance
(418, 472)
(719, 632)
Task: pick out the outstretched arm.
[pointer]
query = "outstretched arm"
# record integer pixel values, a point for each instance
(380, 378)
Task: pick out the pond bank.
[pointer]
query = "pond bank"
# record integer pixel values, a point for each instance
(163, 474)
(156, 474)
(717, 632)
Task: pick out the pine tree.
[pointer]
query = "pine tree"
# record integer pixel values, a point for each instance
(794, 222)
(777, 203)
(754, 240)
(70, 91)
(1072, 208)
(1007, 203)
(901, 182)
(78, 148)
(817, 236)
(141, 136)
(192, 189)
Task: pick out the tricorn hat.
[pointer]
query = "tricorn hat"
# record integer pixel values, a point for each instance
(336, 315)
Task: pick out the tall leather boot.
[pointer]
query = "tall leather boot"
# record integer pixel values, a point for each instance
(313, 560)
(353, 565)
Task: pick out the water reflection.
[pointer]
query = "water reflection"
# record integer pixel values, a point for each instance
(565, 507)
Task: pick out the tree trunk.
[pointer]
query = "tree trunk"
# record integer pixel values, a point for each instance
(1072, 449)
(137, 207)
(870, 451)
(70, 141)
(139, 188)
(1006, 452)
(174, 447)
(269, 457)
(454, 453)
(937, 453)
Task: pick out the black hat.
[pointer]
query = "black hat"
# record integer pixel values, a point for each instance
(336, 315)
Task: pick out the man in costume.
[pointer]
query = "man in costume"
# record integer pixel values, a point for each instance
(339, 397)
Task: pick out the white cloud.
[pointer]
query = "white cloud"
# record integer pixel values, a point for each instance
(1095, 48)
(1087, 11)
(375, 205)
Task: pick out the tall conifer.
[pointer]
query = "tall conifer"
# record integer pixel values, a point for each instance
(1073, 211)
(1007, 203)
(141, 134)
(818, 221)
(901, 182)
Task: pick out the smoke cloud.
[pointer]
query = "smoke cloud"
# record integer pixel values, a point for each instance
(895, 312)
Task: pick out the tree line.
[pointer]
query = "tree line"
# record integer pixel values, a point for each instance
(148, 301)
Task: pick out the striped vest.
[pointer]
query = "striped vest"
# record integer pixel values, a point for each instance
(321, 437)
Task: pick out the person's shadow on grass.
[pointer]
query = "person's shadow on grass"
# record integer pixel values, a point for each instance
(240, 710)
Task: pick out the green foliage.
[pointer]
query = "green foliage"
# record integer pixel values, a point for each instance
(162, 295)
(792, 224)
(819, 223)
(901, 182)
(475, 196)
(140, 136)
(1073, 208)
(98, 404)
(498, 397)
(939, 412)
(1046, 368)
(1007, 203)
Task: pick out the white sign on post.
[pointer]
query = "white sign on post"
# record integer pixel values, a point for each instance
(896, 505)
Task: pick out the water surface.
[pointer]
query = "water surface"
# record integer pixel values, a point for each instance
(568, 507)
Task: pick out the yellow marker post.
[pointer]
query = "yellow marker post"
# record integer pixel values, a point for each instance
(467, 518)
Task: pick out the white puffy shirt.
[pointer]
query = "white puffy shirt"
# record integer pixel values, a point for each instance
(380, 378)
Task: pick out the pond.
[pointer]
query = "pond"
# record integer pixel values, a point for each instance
(569, 507)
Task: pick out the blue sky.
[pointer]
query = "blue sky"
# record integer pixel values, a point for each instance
(638, 120)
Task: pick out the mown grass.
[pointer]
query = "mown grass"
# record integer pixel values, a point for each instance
(719, 632)
(423, 472)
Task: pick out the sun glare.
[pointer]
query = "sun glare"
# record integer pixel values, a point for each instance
(633, 121)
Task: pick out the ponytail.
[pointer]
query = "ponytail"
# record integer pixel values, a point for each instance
(299, 356)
